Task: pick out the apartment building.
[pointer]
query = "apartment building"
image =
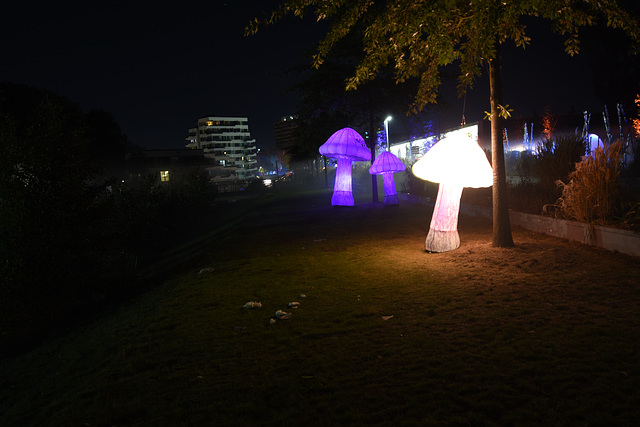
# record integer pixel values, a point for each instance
(285, 132)
(227, 143)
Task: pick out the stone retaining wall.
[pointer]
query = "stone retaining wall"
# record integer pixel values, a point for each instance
(613, 239)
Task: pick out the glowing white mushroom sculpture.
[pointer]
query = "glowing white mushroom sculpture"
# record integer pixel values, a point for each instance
(346, 146)
(454, 162)
(386, 164)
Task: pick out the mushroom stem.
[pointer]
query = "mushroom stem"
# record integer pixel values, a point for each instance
(443, 232)
(342, 189)
(390, 194)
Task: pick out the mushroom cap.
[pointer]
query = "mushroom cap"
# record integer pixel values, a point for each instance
(386, 162)
(455, 160)
(346, 143)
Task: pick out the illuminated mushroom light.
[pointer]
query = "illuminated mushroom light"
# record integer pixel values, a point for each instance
(346, 146)
(386, 164)
(454, 162)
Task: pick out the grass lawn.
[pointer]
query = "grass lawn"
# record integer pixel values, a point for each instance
(546, 333)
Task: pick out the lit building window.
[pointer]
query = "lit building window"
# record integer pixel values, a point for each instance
(164, 176)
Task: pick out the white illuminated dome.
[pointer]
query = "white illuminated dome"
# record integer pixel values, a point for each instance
(455, 160)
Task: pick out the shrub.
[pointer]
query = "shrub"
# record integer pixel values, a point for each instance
(594, 187)
(523, 164)
(512, 162)
(556, 158)
(527, 195)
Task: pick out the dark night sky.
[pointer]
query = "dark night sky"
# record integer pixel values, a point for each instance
(158, 69)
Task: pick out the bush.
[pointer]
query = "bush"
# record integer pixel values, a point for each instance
(554, 160)
(67, 240)
(593, 191)
(141, 219)
(527, 195)
(512, 162)
(523, 164)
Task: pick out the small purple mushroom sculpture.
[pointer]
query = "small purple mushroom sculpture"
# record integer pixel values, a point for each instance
(346, 146)
(386, 164)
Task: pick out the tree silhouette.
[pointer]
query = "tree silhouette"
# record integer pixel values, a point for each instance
(418, 38)
(325, 106)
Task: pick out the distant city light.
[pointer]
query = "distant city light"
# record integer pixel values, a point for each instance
(386, 130)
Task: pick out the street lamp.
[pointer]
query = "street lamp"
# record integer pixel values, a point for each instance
(386, 130)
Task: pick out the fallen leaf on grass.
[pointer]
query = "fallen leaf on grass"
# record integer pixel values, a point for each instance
(252, 304)
(282, 315)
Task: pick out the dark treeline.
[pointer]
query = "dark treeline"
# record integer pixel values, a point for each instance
(74, 233)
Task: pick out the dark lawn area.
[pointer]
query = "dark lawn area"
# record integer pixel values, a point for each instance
(545, 333)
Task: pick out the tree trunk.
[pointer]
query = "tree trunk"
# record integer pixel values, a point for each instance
(326, 176)
(501, 224)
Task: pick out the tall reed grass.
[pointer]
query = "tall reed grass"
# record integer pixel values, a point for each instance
(594, 186)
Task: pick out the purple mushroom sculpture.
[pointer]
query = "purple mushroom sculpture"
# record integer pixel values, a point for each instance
(386, 164)
(455, 162)
(346, 146)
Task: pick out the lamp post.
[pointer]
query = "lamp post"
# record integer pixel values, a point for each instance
(386, 130)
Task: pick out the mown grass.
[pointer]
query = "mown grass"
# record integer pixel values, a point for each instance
(541, 334)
